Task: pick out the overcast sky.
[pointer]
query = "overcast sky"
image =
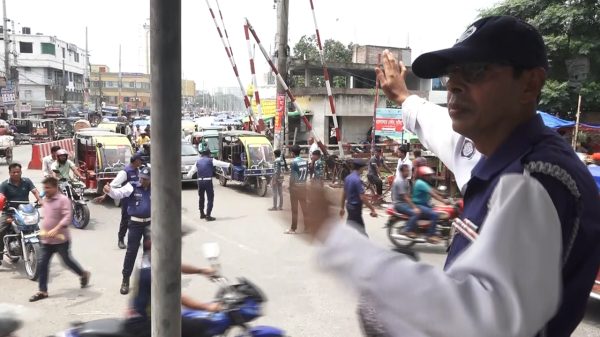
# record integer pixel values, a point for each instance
(424, 24)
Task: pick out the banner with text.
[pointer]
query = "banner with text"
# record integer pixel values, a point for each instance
(388, 123)
(280, 112)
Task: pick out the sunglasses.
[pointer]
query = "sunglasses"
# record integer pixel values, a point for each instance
(470, 72)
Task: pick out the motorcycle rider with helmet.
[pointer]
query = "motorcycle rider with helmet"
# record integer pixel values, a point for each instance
(421, 197)
(63, 166)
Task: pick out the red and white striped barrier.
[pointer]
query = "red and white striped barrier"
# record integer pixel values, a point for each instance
(253, 71)
(232, 61)
(327, 82)
(41, 150)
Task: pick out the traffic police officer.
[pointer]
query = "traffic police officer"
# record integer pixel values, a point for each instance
(205, 169)
(128, 175)
(139, 212)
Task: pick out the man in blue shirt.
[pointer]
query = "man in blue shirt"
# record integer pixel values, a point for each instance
(139, 211)
(298, 176)
(421, 197)
(318, 167)
(354, 197)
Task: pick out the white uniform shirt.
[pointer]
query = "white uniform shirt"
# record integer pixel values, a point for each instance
(119, 179)
(432, 124)
(314, 147)
(405, 161)
(500, 286)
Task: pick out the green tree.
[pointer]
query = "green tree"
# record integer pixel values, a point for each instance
(570, 28)
(335, 51)
(306, 49)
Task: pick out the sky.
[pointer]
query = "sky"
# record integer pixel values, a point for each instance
(423, 25)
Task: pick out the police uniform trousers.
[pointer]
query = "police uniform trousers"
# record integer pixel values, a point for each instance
(124, 220)
(137, 231)
(205, 185)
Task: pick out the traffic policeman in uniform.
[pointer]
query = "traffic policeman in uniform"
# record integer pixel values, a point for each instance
(533, 259)
(128, 175)
(138, 209)
(205, 169)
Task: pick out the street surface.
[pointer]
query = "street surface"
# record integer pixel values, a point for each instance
(301, 299)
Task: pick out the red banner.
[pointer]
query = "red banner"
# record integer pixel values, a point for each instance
(280, 111)
(389, 125)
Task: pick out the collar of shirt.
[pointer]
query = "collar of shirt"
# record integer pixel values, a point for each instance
(20, 182)
(515, 146)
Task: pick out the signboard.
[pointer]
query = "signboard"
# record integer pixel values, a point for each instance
(578, 69)
(388, 123)
(280, 112)
(25, 107)
(8, 96)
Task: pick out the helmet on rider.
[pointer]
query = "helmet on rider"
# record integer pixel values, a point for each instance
(2, 201)
(424, 171)
(62, 152)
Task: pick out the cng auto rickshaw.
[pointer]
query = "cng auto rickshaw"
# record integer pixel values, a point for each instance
(24, 130)
(250, 157)
(100, 155)
(6, 148)
(65, 127)
(116, 127)
(43, 131)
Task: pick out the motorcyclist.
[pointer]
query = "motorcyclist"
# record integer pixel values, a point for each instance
(14, 189)
(144, 152)
(401, 196)
(63, 166)
(374, 174)
(138, 323)
(421, 197)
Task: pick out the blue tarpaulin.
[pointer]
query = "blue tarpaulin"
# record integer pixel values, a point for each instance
(595, 171)
(555, 122)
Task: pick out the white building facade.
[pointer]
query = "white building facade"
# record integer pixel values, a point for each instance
(51, 71)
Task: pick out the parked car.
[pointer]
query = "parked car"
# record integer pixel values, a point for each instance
(189, 156)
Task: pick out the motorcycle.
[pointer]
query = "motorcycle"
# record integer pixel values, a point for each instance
(446, 214)
(22, 239)
(242, 302)
(74, 191)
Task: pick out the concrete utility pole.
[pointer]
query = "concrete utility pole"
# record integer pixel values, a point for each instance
(282, 53)
(120, 84)
(6, 42)
(165, 33)
(86, 73)
(16, 73)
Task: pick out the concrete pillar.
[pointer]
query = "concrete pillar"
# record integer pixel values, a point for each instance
(307, 76)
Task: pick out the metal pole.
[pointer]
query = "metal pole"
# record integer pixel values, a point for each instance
(375, 109)
(282, 38)
(165, 33)
(16, 79)
(86, 74)
(120, 84)
(574, 142)
(6, 42)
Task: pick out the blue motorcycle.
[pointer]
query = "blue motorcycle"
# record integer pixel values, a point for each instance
(242, 302)
(21, 240)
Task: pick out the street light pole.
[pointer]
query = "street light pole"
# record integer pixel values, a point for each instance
(165, 33)
(6, 51)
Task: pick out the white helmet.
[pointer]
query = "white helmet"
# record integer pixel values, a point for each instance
(62, 152)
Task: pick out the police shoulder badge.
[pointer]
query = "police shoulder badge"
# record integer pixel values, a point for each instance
(468, 149)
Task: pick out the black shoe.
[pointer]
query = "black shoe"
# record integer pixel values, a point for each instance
(202, 216)
(85, 279)
(210, 218)
(125, 287)
(122, 244)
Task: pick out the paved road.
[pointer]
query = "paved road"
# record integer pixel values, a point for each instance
(302, 300)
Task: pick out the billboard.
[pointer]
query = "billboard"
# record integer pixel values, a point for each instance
(280, 112)
(388, 123)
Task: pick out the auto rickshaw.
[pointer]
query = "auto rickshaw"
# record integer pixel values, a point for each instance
(81, 124)
(250, 157)
(116, 127)
(188, 126)
(65, 127)
(24, 130)
(6, 148)
(43, 131)
(100, 155)
(206, 139)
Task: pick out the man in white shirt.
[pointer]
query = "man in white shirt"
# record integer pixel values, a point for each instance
(402, 160)
(533, 204)
(48, 161)
(313, 145)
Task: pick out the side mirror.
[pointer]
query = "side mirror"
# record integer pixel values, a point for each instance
(211, 250)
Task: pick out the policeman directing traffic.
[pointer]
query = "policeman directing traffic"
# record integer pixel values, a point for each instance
(205, 168)
(139, 212)
(128, 175)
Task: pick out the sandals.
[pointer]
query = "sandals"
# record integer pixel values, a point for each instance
(289, 231)
(39, 296)
(85, 279)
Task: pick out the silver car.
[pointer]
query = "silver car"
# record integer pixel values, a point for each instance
(189, 156)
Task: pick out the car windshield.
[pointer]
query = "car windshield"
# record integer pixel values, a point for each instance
(188, 150)
(260, 152)
(212, 143)
(115, 155)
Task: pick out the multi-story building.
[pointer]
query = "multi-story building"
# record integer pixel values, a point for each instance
(51, 71)
(134, 93)
(354, 92)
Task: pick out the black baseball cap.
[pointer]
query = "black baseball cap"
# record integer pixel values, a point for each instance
(503, 39)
